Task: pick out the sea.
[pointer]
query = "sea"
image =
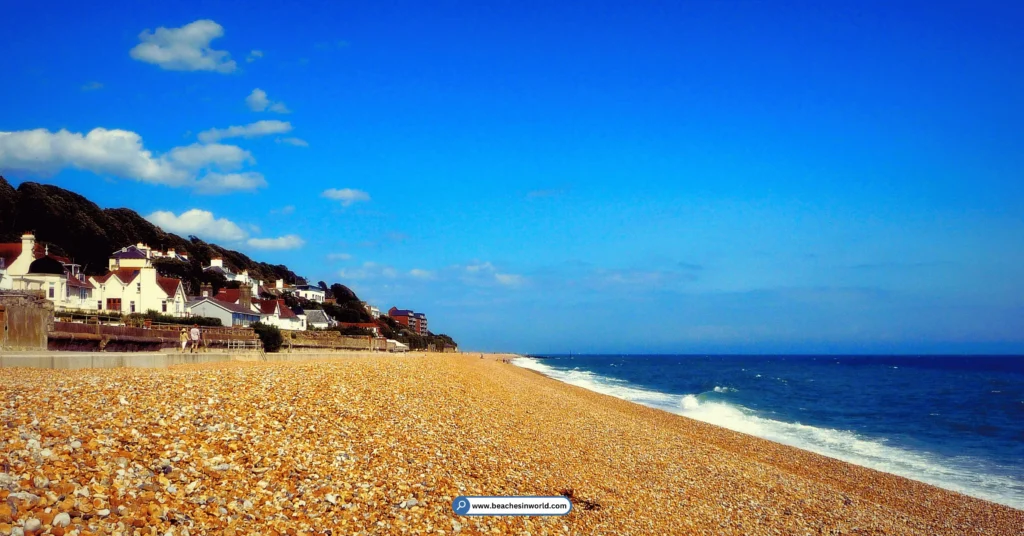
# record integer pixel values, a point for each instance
(956, 422)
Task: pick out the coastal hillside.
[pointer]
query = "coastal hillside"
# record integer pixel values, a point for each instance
(75, 227)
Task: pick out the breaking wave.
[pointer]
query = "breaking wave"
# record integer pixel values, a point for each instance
(961, 474)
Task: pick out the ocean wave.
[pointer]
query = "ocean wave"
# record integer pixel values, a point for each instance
(718, 389)
(961, 474)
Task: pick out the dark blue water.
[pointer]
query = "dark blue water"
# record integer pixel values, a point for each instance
(953, 421)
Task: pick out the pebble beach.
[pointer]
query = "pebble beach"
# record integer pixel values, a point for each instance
(382, 444)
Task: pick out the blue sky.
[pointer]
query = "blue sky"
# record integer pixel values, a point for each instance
(586, 176)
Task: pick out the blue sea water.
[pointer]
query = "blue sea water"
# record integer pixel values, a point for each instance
(956, 422)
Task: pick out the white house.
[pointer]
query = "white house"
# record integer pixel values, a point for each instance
(29, 266)
(276, 313)
(373, 311)
(318, 319)
(310, 292)
(273, 312)
(139, 290)
(230, 314)
(133, 285)
(217, 265)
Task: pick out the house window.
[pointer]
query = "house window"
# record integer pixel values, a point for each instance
(51, 290)
(131, 306)
(163, 306)
(138, 287)
(113, 304)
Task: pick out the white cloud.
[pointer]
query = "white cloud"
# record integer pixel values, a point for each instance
(509, 280)
(197, 222)
(480, 267)
(285, 210)
(487, 273)
(339, 256)
(184, 49)
(369, 270)
(279, 107)
(298, 142)
(257, 101)
(222, 183)
(199, 156)
(252, 130)
(421, 274)
(347, 196)
(121, 153)
(282, 242)
(254, 55)
(114, 152)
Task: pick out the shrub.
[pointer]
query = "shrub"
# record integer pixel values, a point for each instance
(158, 318)
(269, 335)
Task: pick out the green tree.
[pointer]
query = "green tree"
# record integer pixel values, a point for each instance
(269, 335)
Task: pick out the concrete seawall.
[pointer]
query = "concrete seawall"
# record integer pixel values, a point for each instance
(84, 360)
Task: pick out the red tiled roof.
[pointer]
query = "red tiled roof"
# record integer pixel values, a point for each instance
(75, 282)
(169, 285)
(267, 307)
(10, 252)
(230, 295)
(125, 275)
(286, 311)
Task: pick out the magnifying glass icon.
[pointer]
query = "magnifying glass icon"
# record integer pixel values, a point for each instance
(461, 505)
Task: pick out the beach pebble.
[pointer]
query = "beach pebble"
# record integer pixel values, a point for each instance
(33, 524)
(62, 519)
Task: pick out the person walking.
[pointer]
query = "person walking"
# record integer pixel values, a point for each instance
(183, 337)
(196, 333)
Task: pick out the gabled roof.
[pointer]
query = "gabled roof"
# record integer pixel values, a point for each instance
(231, 307)
(130, 252)
(285, 311)
(125, 275)
(267, 307)
(169, 285)
(81, 283)
(219, 270)
(400, 312)
(231, 295)
(316, 316)
(9, 252)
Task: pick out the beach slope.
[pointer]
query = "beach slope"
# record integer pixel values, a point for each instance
(381, 445)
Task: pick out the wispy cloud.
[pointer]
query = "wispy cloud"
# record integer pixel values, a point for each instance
(421, 274)
(298, 142)
(258, 101)
(92, 86)
(184, 49)
(252, 130)
(282, 242)
(339, 256)
(285, 210)
(254, 55)
(369, 271)
(347, 196)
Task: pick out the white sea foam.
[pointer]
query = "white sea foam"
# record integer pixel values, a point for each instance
(961, 474)
(718, 389)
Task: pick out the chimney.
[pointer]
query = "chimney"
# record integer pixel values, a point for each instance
(206, 290)
(245, 296)
(28, 242)
(217, 261)
(280, 284)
